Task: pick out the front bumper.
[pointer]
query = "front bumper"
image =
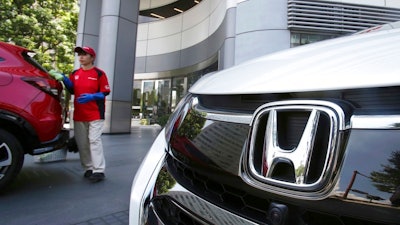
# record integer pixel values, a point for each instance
(156, 198)
(158, 195)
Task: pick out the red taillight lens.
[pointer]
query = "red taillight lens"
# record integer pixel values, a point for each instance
(43, 85)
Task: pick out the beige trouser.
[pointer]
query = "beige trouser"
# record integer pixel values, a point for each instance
(88, 139)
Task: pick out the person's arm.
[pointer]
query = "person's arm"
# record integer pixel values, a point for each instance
(84, 98)
(61, 77)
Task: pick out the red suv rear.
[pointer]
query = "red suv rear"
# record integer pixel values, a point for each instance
(30, 110)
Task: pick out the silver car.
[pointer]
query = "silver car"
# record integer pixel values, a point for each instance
(309, 135)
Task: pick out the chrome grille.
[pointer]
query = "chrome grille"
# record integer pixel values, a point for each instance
(379, 100)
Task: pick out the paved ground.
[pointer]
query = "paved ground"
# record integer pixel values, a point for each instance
(55, 193)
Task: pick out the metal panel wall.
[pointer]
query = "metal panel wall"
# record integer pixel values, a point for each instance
(337, 17)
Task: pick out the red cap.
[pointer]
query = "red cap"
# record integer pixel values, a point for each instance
(86, 49)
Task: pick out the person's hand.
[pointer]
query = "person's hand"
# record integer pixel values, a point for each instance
(57, 75)
(84, 98)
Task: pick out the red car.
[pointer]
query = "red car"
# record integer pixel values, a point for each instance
(31, 111)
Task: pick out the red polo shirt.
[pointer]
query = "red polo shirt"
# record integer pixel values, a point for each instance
(89, 81)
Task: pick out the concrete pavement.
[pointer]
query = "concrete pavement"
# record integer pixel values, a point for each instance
(55, 193)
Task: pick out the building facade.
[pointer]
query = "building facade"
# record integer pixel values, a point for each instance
(162, 47)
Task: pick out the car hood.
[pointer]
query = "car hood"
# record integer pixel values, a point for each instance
(356, 61)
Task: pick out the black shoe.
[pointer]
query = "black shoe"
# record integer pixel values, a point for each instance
(88, 173)
(96, 177)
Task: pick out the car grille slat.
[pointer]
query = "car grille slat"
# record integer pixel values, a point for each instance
(365, 99)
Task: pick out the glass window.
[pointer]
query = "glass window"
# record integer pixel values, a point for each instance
(148, 97)
(154, 99)
(298, 39)
(179, 89)
(192, 79)
(137, 94)
(163, 99)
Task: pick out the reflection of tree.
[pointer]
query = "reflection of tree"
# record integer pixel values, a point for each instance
(300, 173)
(152, 98)
(136, 96)
(179, 92)
(367, 195)
(192, 124)
(388, 180)
(164, 182)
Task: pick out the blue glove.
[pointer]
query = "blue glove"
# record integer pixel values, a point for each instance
(56, 75)
(84, 98)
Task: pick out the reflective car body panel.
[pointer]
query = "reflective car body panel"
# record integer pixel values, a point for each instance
(31, 96)
(309, 141)
(31, 111)
(316, 67)
(356, 191)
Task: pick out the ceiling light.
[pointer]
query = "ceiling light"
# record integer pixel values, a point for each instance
(156, 15)
(196, 1)
(178, 10)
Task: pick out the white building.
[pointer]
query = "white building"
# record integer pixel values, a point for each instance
(172, 43)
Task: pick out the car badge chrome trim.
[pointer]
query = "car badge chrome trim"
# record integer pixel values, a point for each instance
(265, 156)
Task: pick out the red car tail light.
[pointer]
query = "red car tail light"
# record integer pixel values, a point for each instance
(44, 85)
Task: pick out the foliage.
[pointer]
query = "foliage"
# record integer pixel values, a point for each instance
(48, 27)
(163, 119)
(192, 125)
(164, 182)
(388, 180)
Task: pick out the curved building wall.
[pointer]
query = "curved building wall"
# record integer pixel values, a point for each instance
(171, 54)
(231, 30)
(238, 30)
(149, 4)
(184, 40)
(261, 28)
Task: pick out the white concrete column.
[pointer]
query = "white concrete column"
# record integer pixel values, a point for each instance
(110, 27)
(261, 28)
(88, 25)
(116, 56)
